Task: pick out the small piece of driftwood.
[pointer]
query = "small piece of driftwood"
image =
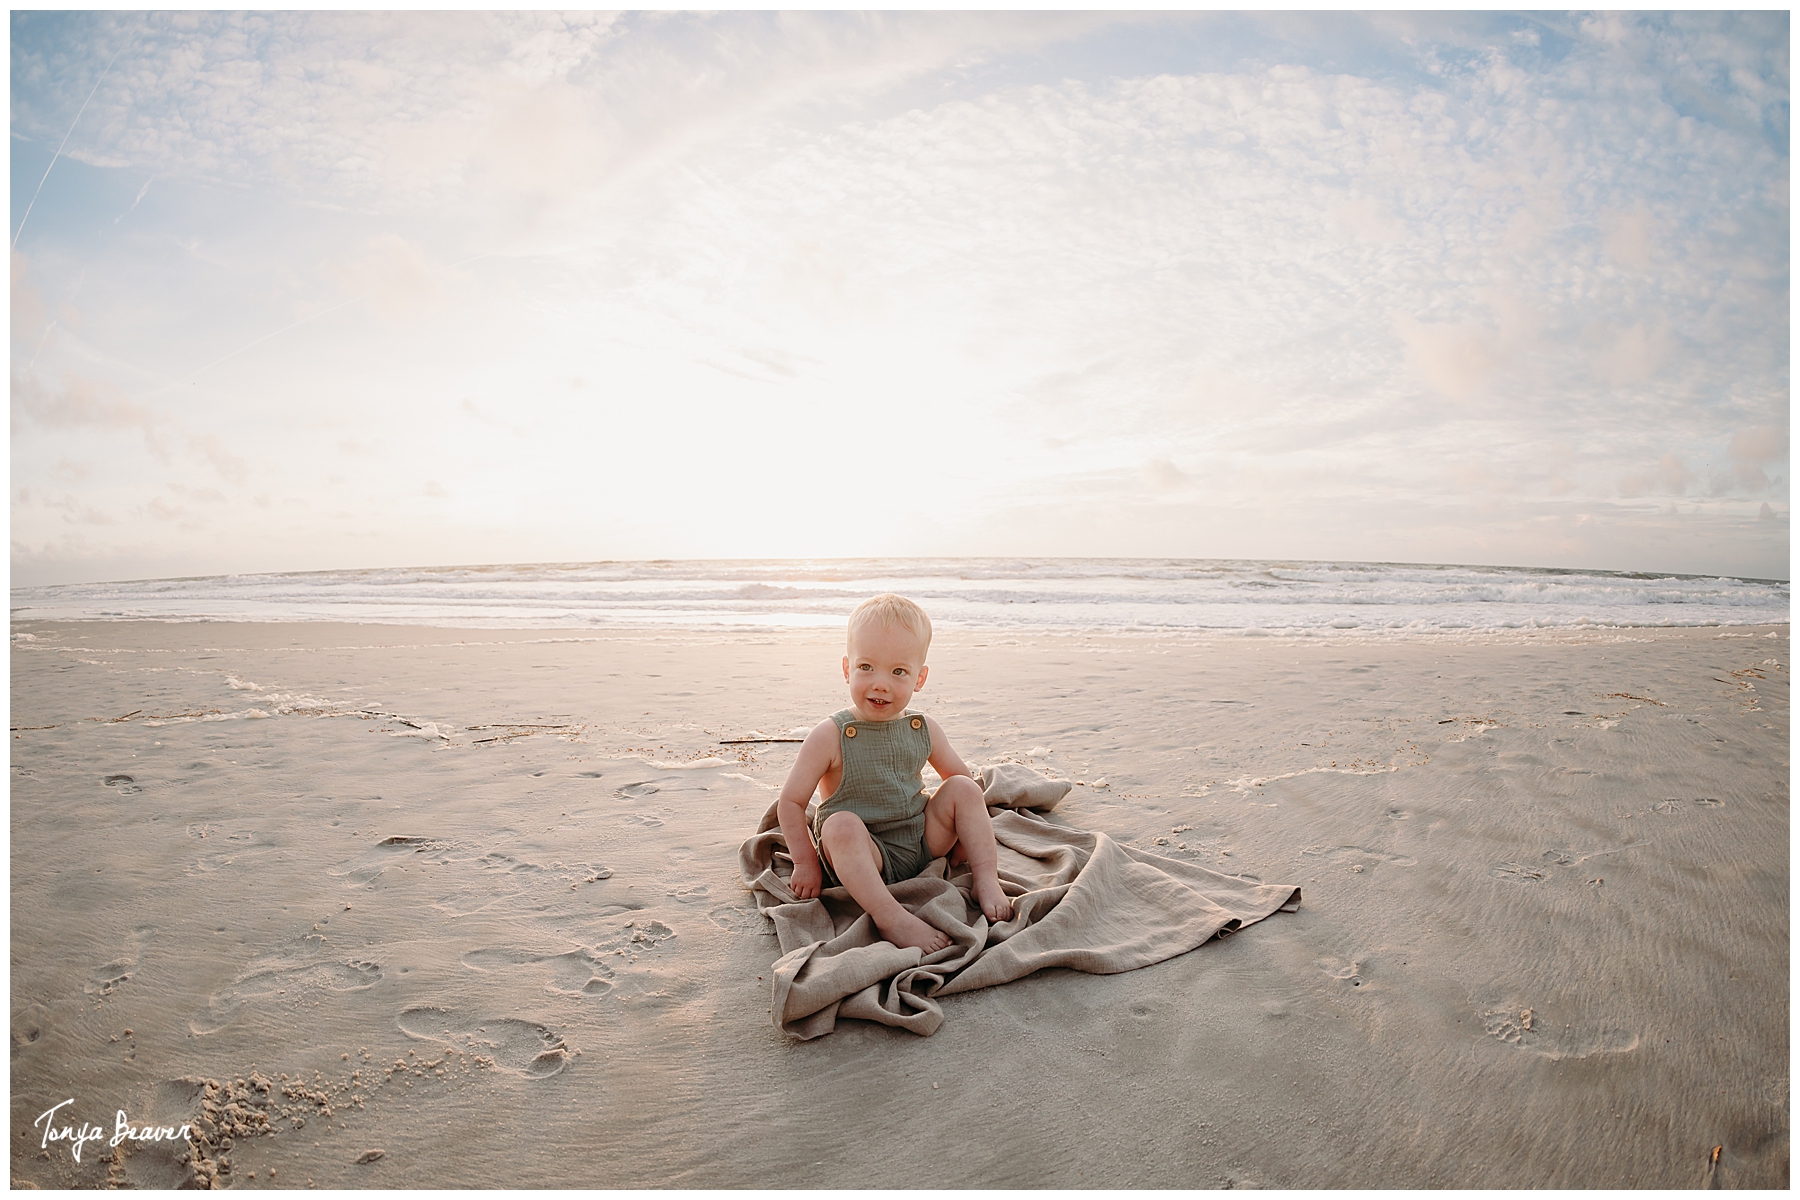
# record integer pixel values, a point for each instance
(746, 741)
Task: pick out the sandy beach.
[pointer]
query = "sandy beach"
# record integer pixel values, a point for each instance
(377, 906)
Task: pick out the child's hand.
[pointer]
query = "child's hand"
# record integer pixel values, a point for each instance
(806, 880)
(817, 754)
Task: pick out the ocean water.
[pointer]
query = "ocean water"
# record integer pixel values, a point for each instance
(1172, 595)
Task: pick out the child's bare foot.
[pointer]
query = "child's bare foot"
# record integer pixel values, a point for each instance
(908, 930)
(993, 901)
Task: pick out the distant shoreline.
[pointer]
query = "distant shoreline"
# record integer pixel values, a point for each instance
(602, 563)
(1160, 597)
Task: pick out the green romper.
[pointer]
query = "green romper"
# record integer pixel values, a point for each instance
(882, 761)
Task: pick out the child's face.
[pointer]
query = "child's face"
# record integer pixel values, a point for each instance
(885, 666)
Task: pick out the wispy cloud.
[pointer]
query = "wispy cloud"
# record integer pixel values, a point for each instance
(83, 402)
(1392, 286)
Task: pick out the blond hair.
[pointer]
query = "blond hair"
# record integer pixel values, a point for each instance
(892, 610)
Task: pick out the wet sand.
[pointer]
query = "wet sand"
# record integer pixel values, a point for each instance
(470, 900)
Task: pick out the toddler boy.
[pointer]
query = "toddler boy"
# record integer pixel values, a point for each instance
(875, 825)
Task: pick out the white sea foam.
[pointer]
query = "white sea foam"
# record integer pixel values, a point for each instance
(1248, 598)
(242, 714)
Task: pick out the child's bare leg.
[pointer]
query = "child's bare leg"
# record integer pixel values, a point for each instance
(856, 860)
(957, 817)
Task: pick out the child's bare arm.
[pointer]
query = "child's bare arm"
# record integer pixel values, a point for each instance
(944, 759)
(818, 753)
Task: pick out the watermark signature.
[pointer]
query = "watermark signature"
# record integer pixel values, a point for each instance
(78, 1136)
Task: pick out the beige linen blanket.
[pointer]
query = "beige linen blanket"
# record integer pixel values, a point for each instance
(1080, 900)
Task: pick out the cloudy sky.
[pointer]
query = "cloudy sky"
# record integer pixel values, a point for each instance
(306, 291)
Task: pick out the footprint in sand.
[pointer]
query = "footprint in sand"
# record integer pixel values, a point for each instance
(691, 895)
(1667, 806)
(467, 904)
(1359, 859)
(1527, 1029)
(1509, 1025)
(582, 872)
(1514, 872)
(28, 1026)
(646, 989)
(242, 846)
(573, 973)
(619, 908)
(1570, 858)
(496, 861)
(739, 919)
(289, 984)
(519, 880)
(644, 986)
(164, 1165)
(1709, 802)
(110, 977)
(579, 872)
(647, 820)
(126, 784)
(107, 979)
(634, 791)
(1351, 971)
(635, 935)
(523, 1047)
(366, 867)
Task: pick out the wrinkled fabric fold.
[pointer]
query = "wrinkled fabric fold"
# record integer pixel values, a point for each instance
(1081, 901)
